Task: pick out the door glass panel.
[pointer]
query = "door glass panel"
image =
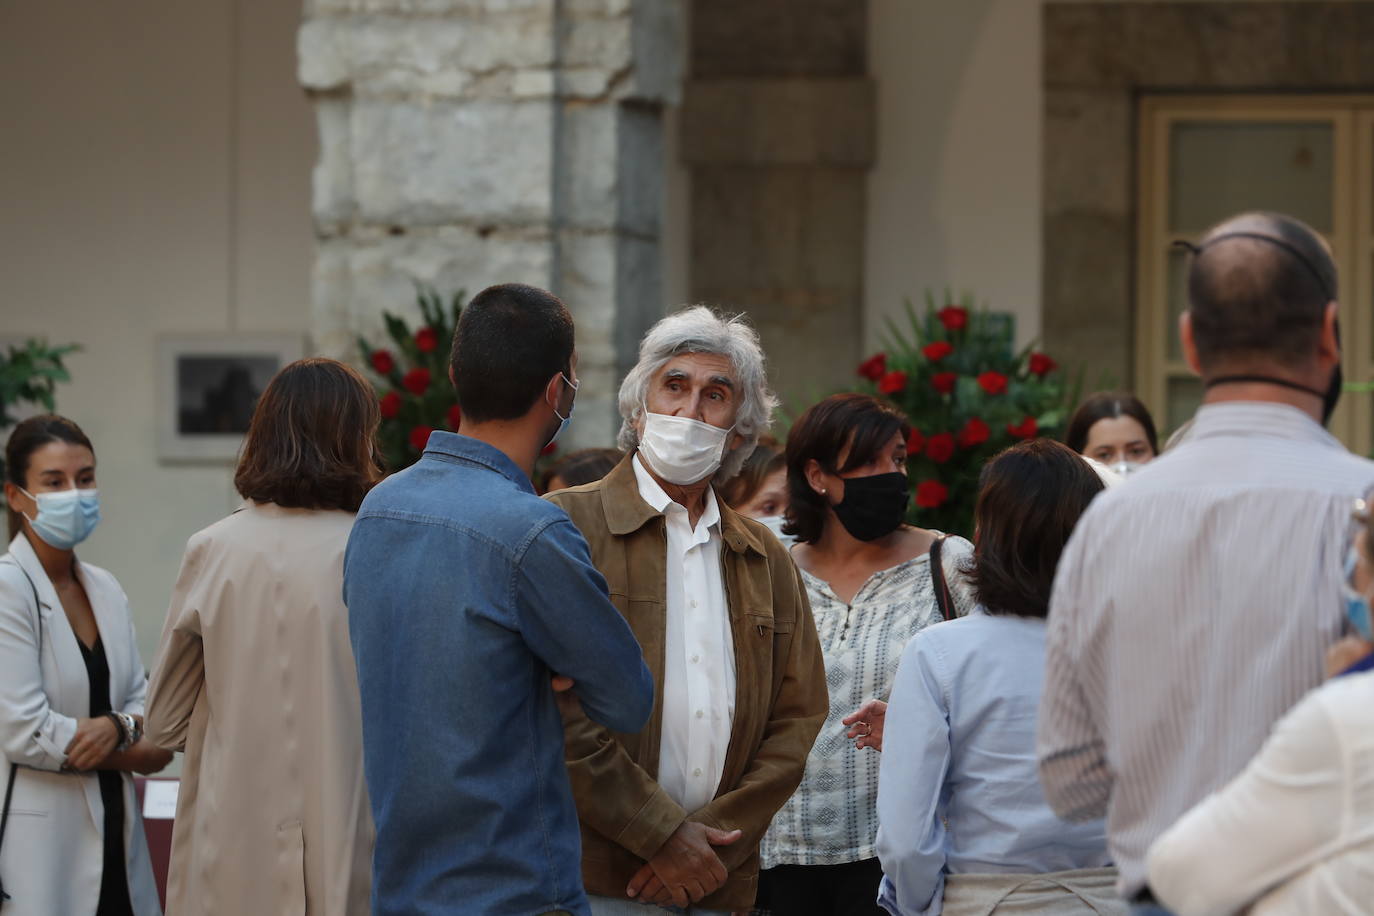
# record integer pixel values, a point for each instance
(1185, 394)
(1178, 297)
(1218, 169)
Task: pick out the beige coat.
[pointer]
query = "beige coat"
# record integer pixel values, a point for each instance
(53, 853)
(255, 681)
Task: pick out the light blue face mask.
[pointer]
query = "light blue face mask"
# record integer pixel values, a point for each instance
(568, 419)
(65, 518)
(1356, 605)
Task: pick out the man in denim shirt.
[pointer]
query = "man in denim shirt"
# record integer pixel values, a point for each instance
(466, 594)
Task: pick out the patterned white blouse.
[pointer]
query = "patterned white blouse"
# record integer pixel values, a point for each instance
(832, 818)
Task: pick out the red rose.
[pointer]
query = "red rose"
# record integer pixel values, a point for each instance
(940, 448)
(389, 405)
(426, 339)
(382, 361)
(549, 449)
(416, 381)
(1026, 430)
(931, 494)
(993, 382)
(1042, 365)
(419, 435)
(974, 433)
(944, 382)
(455, 416)
(873, 367)
(892, 382)
(937, 351)
(915, 442)
(953, 317)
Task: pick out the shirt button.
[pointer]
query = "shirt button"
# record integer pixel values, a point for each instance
(694, 604)
(695, 659)
(697, 772)
(700, 713)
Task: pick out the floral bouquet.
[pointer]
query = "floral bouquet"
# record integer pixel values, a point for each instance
(414, 393)
(968, 396)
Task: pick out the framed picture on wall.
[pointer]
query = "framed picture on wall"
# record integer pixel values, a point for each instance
(208, 385)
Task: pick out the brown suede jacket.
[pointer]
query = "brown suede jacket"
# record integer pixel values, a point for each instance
(780, 699)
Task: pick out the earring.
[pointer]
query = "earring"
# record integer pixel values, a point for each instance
(822, 491)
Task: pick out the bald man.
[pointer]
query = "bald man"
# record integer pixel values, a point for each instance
(1193, 605)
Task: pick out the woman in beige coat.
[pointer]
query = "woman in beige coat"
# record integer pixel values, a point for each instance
(255, 679)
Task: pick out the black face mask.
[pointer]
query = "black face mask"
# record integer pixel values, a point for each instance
(873, 506)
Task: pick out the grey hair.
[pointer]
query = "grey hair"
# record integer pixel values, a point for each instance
(698, 329)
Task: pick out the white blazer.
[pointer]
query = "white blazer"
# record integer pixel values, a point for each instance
(52, 854)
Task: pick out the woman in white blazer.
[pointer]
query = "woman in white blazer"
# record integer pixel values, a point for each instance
(72, 688)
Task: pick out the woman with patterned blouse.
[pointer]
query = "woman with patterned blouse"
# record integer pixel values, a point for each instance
(872, 587)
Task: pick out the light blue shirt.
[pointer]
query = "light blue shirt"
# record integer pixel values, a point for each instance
(958, 790)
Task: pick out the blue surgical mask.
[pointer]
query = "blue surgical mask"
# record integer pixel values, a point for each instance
(565, 420)
(65, 518)
(1356, 605)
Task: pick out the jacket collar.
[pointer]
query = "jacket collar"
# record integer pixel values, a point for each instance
(475, 451)
(627, 512)
(22, 552)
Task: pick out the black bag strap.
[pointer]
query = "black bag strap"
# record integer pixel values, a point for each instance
(943, 600)
(4, 821)
(14, 767)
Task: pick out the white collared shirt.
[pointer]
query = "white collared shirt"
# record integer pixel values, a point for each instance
(698, 651)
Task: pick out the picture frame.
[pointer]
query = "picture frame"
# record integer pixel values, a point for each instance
(207, 387)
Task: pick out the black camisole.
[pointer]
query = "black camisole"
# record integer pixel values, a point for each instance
(114, 879)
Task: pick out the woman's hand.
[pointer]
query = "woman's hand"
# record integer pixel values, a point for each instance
(145, 758)
(94, 740)
(1346, 653)
(866, 724)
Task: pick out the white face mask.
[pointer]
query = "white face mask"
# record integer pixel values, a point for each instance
(1126, 468)
(774, 524)
(680, 450)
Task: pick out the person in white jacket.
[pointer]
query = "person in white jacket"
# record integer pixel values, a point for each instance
(72, 688)
(1293, 833)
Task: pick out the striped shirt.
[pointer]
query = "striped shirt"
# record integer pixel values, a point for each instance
(1192, 609)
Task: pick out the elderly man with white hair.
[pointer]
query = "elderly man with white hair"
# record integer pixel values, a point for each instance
(673, 815)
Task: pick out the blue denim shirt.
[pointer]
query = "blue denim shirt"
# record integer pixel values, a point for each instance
(465, 593)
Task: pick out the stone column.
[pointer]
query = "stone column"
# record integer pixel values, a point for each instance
(471, 142)
(778, 128)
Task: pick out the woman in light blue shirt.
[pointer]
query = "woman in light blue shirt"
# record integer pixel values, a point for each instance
(964, 826)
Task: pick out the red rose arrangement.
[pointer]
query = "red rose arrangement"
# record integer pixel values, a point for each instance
(969, 394)
(414, 396)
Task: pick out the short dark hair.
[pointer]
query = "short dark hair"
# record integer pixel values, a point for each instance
(28, 437)
(860, 422)
(1029, 499)
(312, 441)
(510, 340)
(1108, 405)
(766, 458)
(1249, 297)
(586, 465)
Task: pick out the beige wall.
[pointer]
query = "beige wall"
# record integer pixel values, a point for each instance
(155, 174)
(954, 198)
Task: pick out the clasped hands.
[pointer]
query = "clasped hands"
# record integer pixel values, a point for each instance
(685, 869)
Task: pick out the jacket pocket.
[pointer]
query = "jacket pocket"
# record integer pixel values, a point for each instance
(291, 869)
